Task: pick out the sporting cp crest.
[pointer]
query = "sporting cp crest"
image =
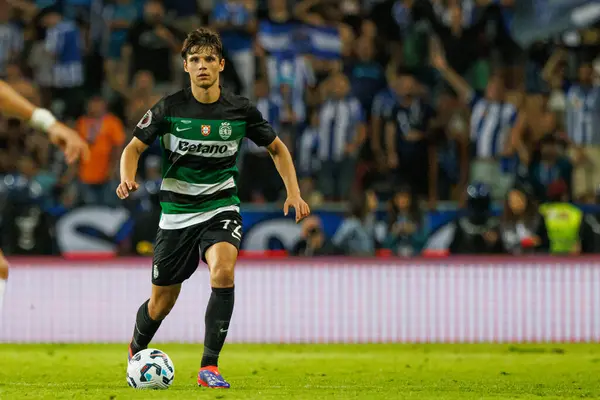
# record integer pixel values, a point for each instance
(205, 130)
(225, 130)
(146, 120)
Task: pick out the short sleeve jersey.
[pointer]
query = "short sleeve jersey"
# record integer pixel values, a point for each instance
(200, 144)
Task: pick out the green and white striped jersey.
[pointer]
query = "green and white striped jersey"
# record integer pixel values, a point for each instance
(200, 144)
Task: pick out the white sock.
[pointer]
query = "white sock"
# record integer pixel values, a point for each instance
(2, 290)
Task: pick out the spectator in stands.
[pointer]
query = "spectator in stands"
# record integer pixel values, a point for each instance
(381, 109)
(280, 59)
(20, 140)
(583, 128)
(523, 227)
(477, 232)
(449, 157)
(549, 166)
(554, 74)
(144, 205)
(187, 13)
(105, 134)
(288, 118)
(492, 122)
(151, 45)
(590, 230)
(26, 228)
(138, 97)
(235, 20)
(146, 198)
(406, 233)
(11, 40)
(24, 86)
(461, 42)
(367, 76)
(118, 16)
(64, 53)
(313, 241)
(563, 220)
(341, 133)
(307, 162)
(446, 13)
(259, 181)
(276, 23)
(407, 136)
(356, 235)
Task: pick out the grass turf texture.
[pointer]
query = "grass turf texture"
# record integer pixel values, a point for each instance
(313, 372)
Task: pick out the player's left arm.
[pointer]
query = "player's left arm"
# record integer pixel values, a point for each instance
(261, 133)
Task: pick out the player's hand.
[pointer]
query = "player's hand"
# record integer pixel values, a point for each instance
(302, 209)
(69, 141)
(126, 187)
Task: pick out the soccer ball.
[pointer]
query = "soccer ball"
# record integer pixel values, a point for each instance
(150, 369)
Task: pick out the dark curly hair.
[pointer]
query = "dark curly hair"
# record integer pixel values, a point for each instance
(202, 38)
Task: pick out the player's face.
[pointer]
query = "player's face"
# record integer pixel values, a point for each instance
(203, 67)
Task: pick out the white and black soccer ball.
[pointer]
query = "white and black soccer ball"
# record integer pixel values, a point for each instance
(150, 369)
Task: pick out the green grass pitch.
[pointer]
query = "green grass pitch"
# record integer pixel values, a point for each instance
(313, 372)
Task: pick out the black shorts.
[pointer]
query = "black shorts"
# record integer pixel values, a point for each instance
(177, 252)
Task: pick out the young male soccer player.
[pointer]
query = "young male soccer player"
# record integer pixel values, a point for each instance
(200, 130)
(12, 104)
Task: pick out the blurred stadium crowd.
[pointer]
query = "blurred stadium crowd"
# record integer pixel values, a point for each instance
(401, 105)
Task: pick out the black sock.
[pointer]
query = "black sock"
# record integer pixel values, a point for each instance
(218, 316)
(144, 330)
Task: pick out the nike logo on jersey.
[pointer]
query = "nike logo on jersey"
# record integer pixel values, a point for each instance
(184, 129)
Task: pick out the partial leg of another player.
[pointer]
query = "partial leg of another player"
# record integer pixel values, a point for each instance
(151, 314)
(3, 277)
(221, 258)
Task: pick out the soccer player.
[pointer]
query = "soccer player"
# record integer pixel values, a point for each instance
(12, 104)
(200, 130)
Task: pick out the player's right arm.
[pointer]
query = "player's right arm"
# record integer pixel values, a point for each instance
(145, 133)
(128, 167)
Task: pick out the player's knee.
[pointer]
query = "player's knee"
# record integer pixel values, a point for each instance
(161, 304)
(222, 275)
(221, 260)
